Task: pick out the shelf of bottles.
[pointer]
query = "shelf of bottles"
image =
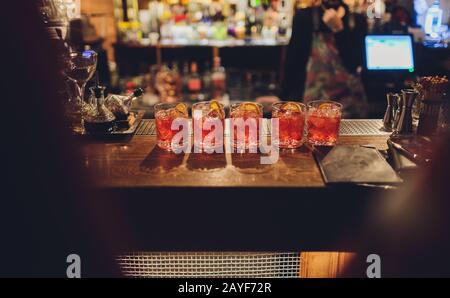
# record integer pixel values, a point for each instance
(204, 22)
(126, 13)
(189, 84)
(192, 82)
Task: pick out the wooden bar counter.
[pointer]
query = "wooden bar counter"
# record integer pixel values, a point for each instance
(227, 202)
(140, 163)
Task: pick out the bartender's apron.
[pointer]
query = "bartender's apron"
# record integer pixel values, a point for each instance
(328, 79)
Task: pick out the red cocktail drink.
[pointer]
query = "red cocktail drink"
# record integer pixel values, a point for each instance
(291, 123)
(211, 116)
(165, 114)
(244, 122)
(324, 119)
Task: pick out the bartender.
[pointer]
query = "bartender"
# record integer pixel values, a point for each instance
(324, 55)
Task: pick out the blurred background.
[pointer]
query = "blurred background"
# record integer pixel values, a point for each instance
(232, 50)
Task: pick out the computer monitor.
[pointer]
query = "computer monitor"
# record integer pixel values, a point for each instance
(392, 53)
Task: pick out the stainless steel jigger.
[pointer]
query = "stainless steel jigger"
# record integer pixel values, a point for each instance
(404, 125)
(391, 110)
(398, 111)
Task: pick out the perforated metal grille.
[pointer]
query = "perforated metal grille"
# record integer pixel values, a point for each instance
(362, 127)
(146, 128)
(354, 127)
(210, 264)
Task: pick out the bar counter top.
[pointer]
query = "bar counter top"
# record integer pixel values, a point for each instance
(228, 202)
(138, 163)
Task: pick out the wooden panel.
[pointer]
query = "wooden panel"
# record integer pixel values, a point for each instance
(344, 260)
(106, 24)
(324, 264)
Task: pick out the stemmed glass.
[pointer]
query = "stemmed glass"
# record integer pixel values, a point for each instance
(79, 67)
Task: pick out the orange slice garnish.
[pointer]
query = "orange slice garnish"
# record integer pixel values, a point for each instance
(250, 107)
(214, 105)
(291, 106)
(326, 106)
(181, 107)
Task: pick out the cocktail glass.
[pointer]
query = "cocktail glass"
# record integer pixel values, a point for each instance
(291, 123)
(210, 115)
(323, 120)
(245, 118)
(165, 114)
(79, 67)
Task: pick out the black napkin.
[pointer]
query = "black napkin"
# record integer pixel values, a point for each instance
(355, 164)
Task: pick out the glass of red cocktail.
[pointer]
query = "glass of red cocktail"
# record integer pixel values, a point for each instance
(165, 114)
(323, 120)
(211, 116)
(291, 123)
(245, 117)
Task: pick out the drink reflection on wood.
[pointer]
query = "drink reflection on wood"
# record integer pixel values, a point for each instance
(136, 166)
(206, 162)
(161, 160)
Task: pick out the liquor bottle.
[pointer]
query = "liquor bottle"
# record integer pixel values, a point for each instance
(120, 105)
(433, 19)
(133, 96)
(247, 86)
(177, 83)
(283, 26)
(194, 83)
(127, 15)
(218, 79)
(161, 82)
(206, 79)
(272, 87)
(185, 78)
(250, 24)
(100, 120)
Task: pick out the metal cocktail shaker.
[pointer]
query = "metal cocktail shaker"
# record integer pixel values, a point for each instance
(391, 111)
(404, 125)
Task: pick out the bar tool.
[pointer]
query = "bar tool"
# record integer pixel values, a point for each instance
(404, 125)
(389, 115)
(397, 111)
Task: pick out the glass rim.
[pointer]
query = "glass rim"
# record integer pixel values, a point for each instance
(237, 104)
(275, 105)
(80, 53)
(201, 103)
(168, 105)
(322, 101)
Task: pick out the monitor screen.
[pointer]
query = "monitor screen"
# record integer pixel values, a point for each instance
(389, 52)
